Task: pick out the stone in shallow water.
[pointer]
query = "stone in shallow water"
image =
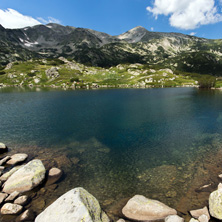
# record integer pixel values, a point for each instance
(75, 205)
(53, 176)
(27, 215)
(5, 176)
(17, 158)
(26, 178)
(203, 218)
(143, 209)
(2, 161)
(197, 213)
(21, 200)
(3, 148)
(12, 196)
(174, 218)
(2, 197)
(9, 208)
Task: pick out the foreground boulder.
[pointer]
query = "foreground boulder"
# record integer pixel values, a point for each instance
(215, 201)
(197, 213)
(75, 205)
(174, 218)
(141, 208)
(26, 178)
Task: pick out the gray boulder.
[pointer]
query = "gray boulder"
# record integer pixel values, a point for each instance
(26, 178)
(5, 176)
(75, 205)
(197, 213)
(141, 208)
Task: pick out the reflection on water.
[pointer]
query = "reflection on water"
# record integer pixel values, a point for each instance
(161, 143)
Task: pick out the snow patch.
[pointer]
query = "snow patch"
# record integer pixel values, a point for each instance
(31, 44)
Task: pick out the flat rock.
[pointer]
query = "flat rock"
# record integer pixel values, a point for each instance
(21, 200)
(26, 178)
(5, 176)
(9, 208)
(215, 201)
(3, 148)
(27, 215)
(197, 213)
(17, 158)
(120, 220)
(2, 197)
(12, 196)
(4, 160)
(53, 176)
(75, 205)
(174, 218)
(141, 208)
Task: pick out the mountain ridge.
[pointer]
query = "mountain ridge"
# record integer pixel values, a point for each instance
(87, 46)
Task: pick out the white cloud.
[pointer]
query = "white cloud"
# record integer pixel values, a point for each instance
(12, 19)
(187, 14)
(193, 33)
(152, 29)
(49, 20)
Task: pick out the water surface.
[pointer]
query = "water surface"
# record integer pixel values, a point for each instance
(117, 143)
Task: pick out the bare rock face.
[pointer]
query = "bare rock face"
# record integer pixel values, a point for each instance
(17, 158)
(75, 205)
(141, 208)
(26, 178)
(52, 73)
(9, 208)
(54, 175)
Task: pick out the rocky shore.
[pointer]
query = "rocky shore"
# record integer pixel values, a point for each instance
(22, 176)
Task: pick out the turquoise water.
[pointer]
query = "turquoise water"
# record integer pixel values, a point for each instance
(119, 142)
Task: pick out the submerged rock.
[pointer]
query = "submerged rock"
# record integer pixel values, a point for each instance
(26, 178)
(9, 208)
(143, 209)
(215, 201)
(27, 215)
(75, 205)
(17, 158)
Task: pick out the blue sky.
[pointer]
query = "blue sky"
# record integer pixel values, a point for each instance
(202, 18)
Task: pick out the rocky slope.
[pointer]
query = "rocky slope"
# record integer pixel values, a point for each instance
(138, 45)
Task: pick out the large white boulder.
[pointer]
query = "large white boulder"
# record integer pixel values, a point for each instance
(140, 208)
(75, 205)
(26, 178)
(215, 203)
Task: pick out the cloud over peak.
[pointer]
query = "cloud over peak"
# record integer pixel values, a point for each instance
(187, 14)
(11, 18)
